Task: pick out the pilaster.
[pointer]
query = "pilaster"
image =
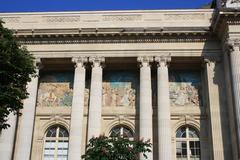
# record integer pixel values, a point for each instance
(234, 55)
(25, 133)
(7, 138)
(214, 111)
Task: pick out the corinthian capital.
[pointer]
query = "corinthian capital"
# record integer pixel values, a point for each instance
(97, 61)
(38, 63)
(162, 60)
(233, 44)
(79, 61)
(145, 60)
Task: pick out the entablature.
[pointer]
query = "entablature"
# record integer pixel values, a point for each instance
(101, 23)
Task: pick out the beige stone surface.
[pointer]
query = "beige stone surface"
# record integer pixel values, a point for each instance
(188, 36)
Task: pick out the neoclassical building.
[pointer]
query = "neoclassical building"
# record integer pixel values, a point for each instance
(171, 76)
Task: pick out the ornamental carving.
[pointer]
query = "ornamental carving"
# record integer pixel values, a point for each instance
(145, 60)
(185, 88)
(119, 89)
(235, 1)
(122, 17)
(60, 19)
(175, 17)
(11, 19)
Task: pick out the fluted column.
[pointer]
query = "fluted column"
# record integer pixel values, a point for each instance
(7, 138)
(25, 132)
(75, 138)
(164, 122)
(235, 63)
(145, 115)
(95, 106)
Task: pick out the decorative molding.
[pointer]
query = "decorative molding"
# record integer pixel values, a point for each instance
(115, 39)
(209, 60)
(122, 17)
(120, 120)
(79, 61)
(10, 19)
(174, 17)
(61, 19)
(187, 120)
(54, 120)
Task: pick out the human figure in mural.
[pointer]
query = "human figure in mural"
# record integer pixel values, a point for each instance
(132, 97)
(114, 96)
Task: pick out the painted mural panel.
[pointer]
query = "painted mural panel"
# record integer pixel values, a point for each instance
(55, 89)
(120, 88)
(185, 88)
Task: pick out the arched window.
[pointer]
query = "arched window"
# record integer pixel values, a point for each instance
(56, 143)
(187, 144)
(122, 131)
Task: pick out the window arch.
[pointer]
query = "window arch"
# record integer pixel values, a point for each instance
(122, 131)
(187, 144)
(56, 143)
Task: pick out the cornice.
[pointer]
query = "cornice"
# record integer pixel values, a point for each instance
(118, 38)
(225, 17)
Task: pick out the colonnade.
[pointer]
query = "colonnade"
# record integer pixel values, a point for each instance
(25, 133)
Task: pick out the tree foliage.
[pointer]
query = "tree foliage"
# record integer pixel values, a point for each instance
(115, 148)
(16, 69)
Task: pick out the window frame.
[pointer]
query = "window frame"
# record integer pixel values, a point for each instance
(57, 139)
(187, 139)
(122, 127)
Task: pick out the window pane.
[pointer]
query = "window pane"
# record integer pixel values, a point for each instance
(63, 132)
(195, 151)
(181, 132)
(52, 132)
(181, 148)
(127, 132)
(193, 133)
(115, 131)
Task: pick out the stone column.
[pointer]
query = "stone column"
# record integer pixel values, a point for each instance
(25, 133)
(235, 63)
(145, 115)
(164, 115)
(211, 71)
(7, 138)
(95, 106)
(75, 138)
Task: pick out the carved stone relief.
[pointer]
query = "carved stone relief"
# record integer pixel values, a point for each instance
(60, 19)
(185, 88)
(119, 89)
(122, 17)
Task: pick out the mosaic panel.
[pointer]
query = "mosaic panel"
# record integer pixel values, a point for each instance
(120, 88)
(185, 88)
(55, 89)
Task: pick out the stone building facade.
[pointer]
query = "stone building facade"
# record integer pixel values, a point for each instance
(171, 76)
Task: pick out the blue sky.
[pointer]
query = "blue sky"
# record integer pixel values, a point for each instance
(79, 5)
